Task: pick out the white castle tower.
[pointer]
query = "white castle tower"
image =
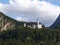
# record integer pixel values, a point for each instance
(39, 25)
(24, 24)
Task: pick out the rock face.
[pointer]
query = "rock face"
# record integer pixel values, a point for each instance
(56, 23)
(6, 22)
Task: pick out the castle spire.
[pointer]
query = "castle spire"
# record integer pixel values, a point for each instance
(38, 24)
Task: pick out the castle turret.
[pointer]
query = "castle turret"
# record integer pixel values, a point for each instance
(39, 25)
(24, 24)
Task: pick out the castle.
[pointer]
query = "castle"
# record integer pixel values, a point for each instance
(9, 23)
(33, 25)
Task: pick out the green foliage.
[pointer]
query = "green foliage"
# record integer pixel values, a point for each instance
(58, 27)
(29, 36)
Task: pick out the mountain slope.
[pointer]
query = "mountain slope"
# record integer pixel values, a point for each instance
(56, 23)
(6, 22)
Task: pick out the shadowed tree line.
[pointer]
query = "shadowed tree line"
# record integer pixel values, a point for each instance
(29, 36)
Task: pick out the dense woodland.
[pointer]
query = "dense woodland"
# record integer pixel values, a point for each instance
(29, 36)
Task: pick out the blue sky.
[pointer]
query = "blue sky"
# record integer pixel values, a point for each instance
(55, 2)
(4, 1)
(27, 10)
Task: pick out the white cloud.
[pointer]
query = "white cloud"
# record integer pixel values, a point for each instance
(1, 7)
(45, 11)
(21, 19)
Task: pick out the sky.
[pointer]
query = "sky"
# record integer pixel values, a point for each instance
(46, 11)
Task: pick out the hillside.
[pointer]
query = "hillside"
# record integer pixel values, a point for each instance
(56, 23)
(28, 36)
(6, 22)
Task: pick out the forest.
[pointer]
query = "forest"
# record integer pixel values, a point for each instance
(29, 36)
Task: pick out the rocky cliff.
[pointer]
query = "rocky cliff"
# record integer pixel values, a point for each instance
(6, 22)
